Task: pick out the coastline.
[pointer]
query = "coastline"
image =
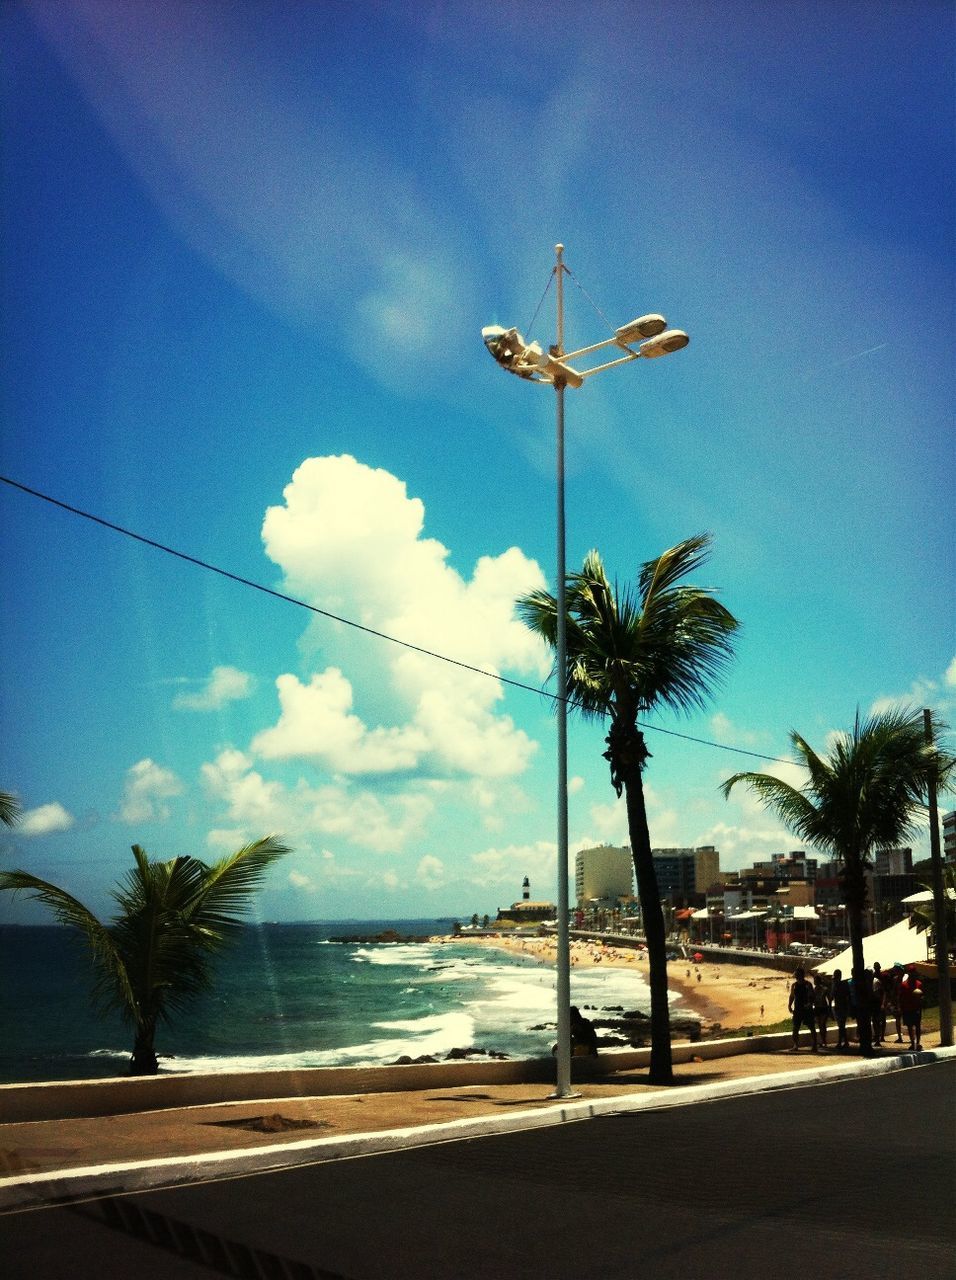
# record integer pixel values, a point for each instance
(727, 997)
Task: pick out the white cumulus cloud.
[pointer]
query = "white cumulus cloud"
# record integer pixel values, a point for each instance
(148, 785)
(255, 805)
(222, 686)
(349, 539)
(317, 722)
(45, 820)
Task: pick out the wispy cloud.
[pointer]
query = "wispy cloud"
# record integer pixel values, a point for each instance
(222, 686)
(858, 355)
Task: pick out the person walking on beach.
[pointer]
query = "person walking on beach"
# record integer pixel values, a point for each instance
(822, 1007)
(911, 1007)
(800, 1004)
(841, 1007)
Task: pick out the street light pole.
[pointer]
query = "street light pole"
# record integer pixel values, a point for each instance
(647, 338)
(563, 1085)
(939, 898)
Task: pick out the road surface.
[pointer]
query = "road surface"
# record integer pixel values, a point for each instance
(852, 1179)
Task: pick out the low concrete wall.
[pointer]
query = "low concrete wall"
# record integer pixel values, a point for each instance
(70, 1099)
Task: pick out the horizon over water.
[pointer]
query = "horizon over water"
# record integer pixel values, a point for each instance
(285, 996)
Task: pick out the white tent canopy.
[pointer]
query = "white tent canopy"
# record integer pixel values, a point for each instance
(899, 944)
(926, 895)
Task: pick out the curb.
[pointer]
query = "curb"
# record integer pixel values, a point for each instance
(32, 1191)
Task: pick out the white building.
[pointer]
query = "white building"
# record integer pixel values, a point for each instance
(602, 875)
(949, 836)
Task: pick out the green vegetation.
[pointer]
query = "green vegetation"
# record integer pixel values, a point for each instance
(866, 794)
(629, 653)
(154, 956)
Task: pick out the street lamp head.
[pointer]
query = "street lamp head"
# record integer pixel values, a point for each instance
(643, 327)
(526, 359)
(666, 342)
(511, 351)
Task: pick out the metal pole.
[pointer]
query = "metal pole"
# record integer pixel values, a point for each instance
(563, 1084)
(939, 897)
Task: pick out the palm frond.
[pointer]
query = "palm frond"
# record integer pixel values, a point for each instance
(69, 911)
(866, 793)
(229, 883)
(673, 564)
(625, 653)
(794, 809)
(11, 810)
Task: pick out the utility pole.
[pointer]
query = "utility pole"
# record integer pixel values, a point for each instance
(939, 897)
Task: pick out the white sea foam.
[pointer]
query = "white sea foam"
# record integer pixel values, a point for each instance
(430, 1035)
(491, 999)
(395, 953)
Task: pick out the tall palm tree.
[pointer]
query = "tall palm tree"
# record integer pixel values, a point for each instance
(628, 653)
(154, 955)
(866, 794)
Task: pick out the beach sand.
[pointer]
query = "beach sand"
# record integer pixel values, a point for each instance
(727, 996)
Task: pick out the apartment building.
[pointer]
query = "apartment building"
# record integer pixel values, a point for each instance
(603, 875)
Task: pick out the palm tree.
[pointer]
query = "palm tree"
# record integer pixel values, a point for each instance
(866, 794)
(154, 956)
(629, 653)
(10, 810)
(923, 914)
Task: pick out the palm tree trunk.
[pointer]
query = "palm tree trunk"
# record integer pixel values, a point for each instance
(144, 1061)
(661, 1069)
(854, 890)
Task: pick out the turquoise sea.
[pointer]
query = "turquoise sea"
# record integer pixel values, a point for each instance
(285, 995)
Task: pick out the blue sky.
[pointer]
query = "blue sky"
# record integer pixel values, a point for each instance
(248, 250)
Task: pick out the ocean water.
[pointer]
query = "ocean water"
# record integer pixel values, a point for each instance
(284, 995)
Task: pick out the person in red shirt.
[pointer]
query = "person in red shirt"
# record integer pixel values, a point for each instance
(911, 1007)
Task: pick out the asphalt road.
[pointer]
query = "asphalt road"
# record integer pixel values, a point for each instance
(852, 1179)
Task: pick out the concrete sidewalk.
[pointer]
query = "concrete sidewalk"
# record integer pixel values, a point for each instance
(48, 1159)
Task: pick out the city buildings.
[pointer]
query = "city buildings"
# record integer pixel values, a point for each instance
(603, 876)
(684, 875)
(781, 896)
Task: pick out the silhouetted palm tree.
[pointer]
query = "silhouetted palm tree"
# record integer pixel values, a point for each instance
(631, 652)
(922, 915)
(154, 956)
(866, 794)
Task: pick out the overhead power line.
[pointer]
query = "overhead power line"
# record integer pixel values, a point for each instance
(350, 622)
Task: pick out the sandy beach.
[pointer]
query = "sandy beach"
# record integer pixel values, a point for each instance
(726, 996)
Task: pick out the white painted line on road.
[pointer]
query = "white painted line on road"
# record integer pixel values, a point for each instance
(30, 1191)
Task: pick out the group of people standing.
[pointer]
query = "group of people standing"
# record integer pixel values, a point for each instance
(895, 993)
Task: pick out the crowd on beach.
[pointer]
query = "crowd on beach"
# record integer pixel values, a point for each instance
(894, 994)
